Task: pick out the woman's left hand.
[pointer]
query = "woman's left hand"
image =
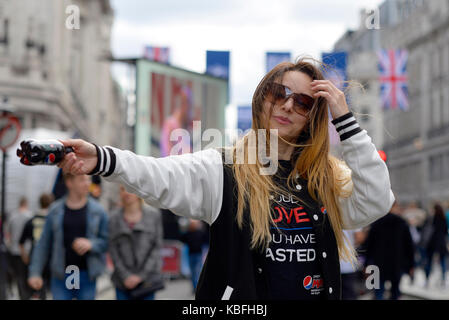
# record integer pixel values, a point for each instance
(335, 97)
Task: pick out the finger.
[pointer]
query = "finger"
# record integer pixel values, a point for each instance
(62, 163)
(322, 81)
(81, 169)
(75, 143)
(70, 162)
(77, 168)
(325, 82)
(323, 94)
(323, 86)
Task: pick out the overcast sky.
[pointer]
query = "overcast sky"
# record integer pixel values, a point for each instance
(247, 28)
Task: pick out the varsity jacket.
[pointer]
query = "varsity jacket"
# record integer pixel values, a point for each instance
(201, 186)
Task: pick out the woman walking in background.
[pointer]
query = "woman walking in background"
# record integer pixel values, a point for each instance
(437, 243)
(135, 245)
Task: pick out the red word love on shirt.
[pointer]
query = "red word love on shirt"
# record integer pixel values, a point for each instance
(296, 213)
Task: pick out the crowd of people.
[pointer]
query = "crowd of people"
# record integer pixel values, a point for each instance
(75, 233)
(406, 239)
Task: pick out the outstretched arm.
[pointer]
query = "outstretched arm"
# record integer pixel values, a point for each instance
(189, 185)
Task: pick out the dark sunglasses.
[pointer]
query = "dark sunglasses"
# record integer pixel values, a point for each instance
(279, 94)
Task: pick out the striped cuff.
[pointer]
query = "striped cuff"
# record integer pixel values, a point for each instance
(346, 126)
(106, 162)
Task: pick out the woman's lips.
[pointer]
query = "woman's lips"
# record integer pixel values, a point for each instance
(282, 120)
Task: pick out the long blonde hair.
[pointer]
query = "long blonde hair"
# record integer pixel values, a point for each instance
(324, 173)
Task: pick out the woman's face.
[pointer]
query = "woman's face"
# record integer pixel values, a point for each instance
(284, 118)
(127, 198)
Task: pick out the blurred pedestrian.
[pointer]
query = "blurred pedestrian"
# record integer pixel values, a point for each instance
(95, 189)
(195, 238)
(446, 207)
(437, 243)
(349, 271)
(31, 234)
(389, 246)
(414, 214)
(75, 235)
(269, 237)
(417, 218)
(135, 248)
(14, 229)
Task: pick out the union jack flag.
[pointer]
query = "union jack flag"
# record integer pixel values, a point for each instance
(393, 79)
(159, 54)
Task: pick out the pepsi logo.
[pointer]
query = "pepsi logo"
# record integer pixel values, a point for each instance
(307, 282)
(323, 210)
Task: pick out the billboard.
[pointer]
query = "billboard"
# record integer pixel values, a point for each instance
(170, 98)
(274, 58)
(217, 63)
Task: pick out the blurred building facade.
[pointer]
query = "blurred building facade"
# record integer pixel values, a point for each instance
(417, 140)
(361, 46)
(418, 144)
(58, 76)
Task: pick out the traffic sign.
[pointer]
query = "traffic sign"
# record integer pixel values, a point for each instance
(9, 131)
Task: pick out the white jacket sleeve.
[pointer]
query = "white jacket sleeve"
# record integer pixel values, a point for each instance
(190, 185)
(371, 196)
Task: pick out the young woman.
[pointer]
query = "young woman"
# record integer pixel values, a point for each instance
(271, 236)
(135, 242)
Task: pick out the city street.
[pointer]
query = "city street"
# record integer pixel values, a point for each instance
(180, 289)
(301, 146)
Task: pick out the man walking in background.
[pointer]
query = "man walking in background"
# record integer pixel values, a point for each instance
(76, 236)
(389, 246)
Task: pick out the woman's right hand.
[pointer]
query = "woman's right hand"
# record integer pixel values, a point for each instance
(82, 161)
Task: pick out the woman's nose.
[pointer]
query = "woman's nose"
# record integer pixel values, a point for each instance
(288, 105)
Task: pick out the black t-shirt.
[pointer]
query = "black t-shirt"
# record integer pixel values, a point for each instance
(33, 229)
(292, 263)
(75, 225)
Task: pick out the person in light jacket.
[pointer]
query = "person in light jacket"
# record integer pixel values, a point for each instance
(277, 213)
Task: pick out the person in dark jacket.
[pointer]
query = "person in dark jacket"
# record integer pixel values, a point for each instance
(135, 248)
(195, 238)
(389, 246)
(276, 216)
(437, 243)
